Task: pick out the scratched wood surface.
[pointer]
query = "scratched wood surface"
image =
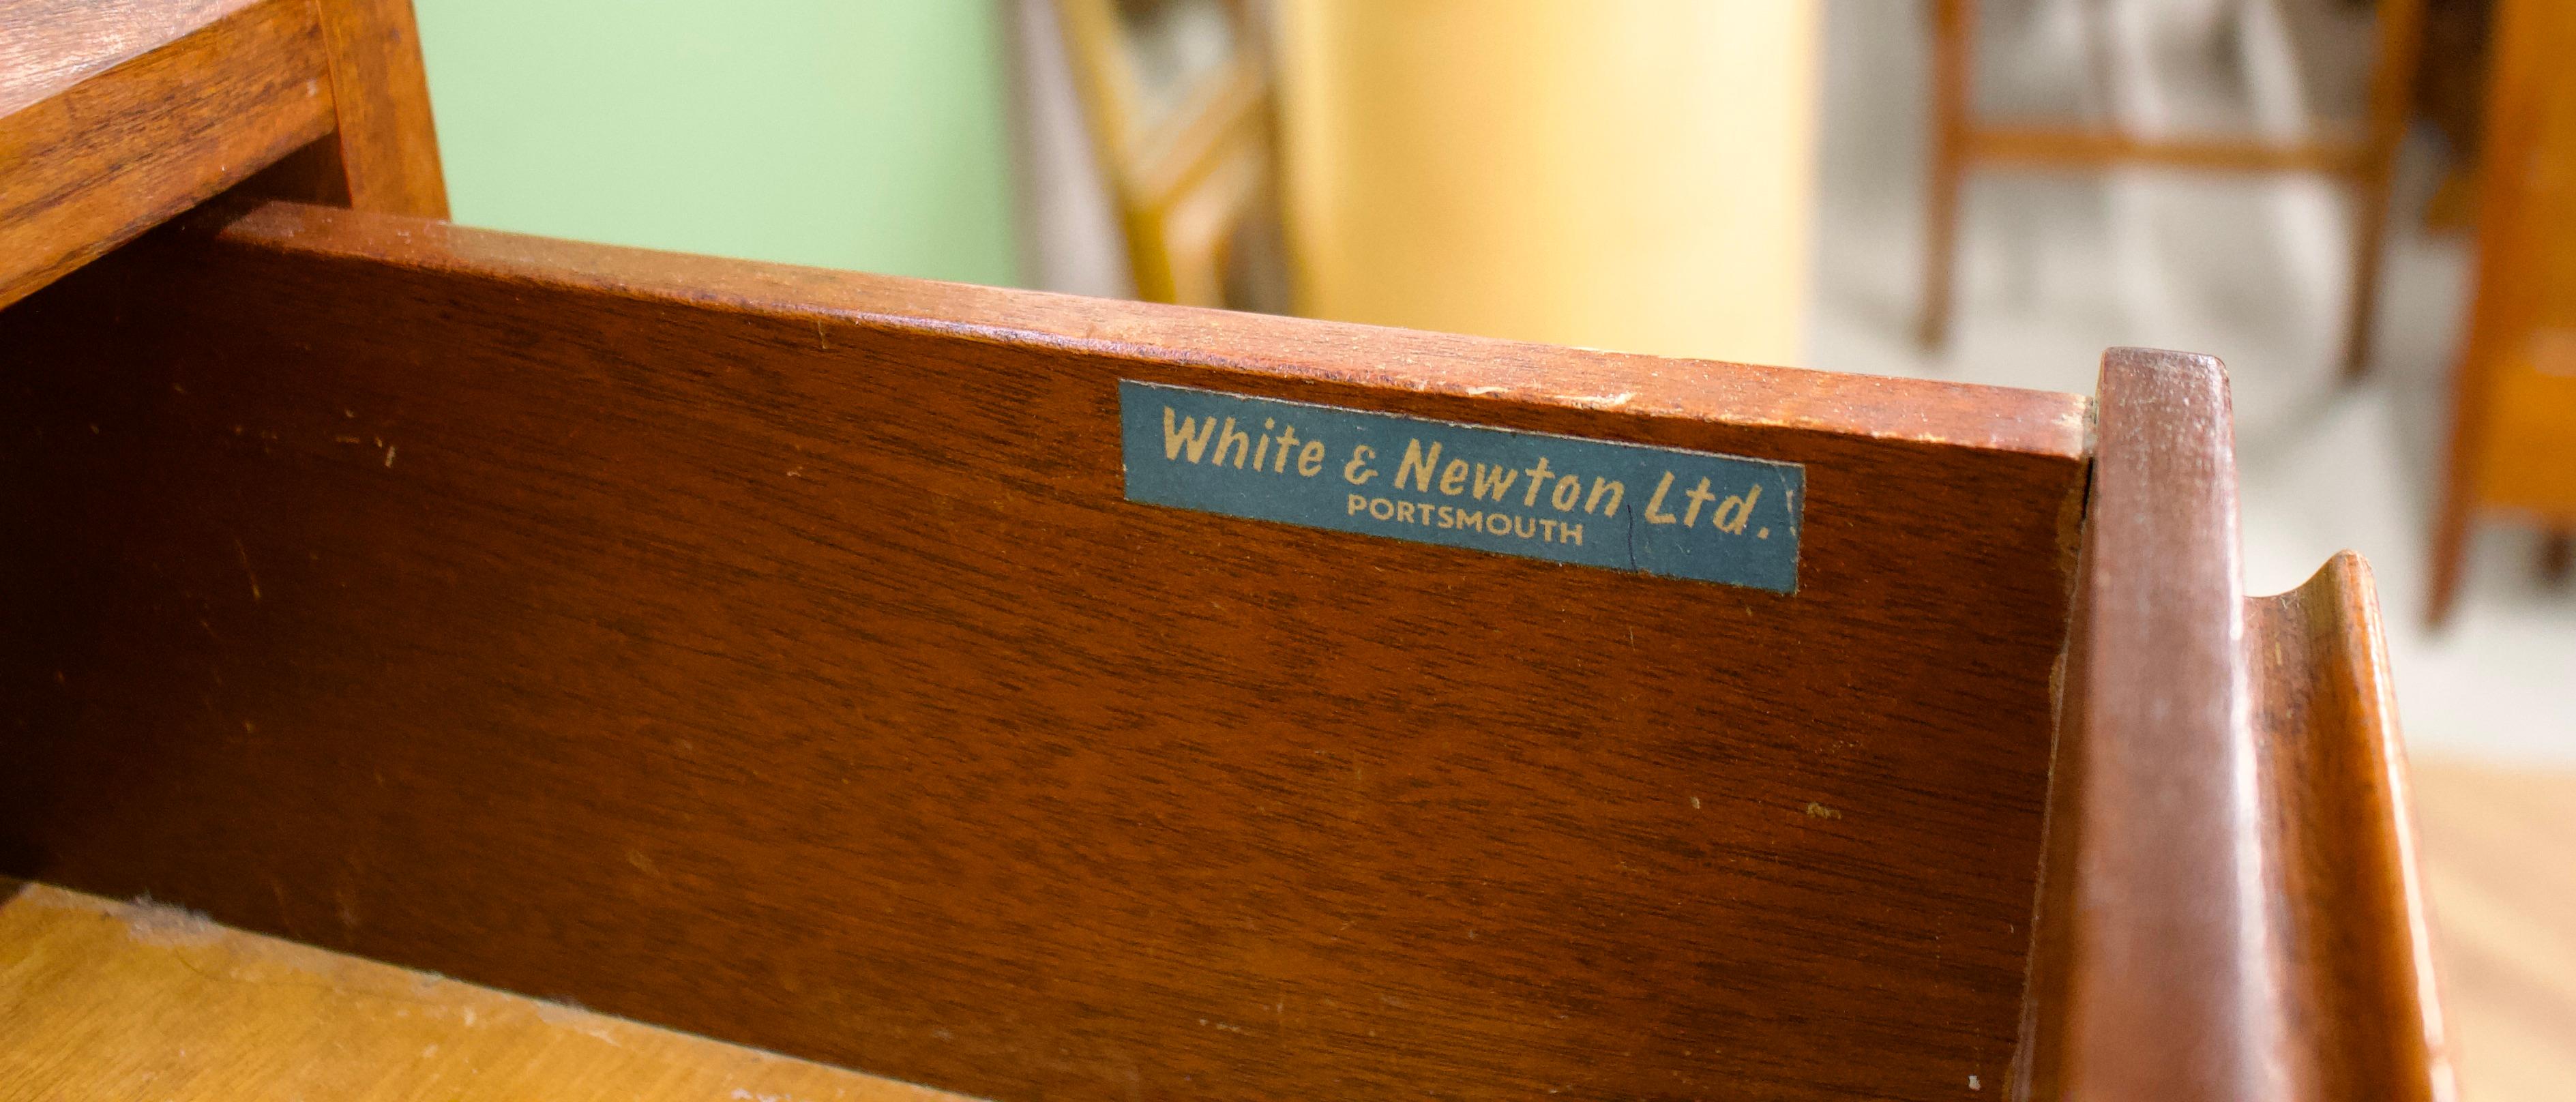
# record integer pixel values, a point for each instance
(115, 117)
(102, 999)
(53, 44)
(769, 653)
(2230, 905)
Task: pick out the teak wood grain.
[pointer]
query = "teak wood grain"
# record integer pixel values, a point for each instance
(115, 118)
(108, 1000)
(770, 653)
(2228, 905)
(54, 44)
(385, 146)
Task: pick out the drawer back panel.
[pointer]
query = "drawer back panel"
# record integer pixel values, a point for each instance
(774, 653)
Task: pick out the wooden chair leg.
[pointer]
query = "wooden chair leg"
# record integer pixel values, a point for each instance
(2451, 520)
(1953, 62)
(2450, 551)
(2392, 88)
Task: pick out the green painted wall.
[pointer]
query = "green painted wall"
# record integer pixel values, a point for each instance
(864, 134)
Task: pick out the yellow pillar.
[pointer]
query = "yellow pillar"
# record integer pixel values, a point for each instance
(1623, 174)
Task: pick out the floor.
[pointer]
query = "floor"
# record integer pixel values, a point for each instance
(2253, 270)
(2507, 939)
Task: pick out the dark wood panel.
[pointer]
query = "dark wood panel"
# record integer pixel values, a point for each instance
(93, 153)
(770, 652)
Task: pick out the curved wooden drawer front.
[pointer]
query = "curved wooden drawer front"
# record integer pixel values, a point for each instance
(2229, 906)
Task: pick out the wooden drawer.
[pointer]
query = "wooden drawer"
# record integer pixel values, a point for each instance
(782, 655)
(775, 653)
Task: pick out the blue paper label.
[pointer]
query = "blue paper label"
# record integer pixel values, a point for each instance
(1653, 510)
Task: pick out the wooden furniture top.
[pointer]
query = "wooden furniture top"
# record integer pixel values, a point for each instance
(133, 1000)
(115, 117)
(54, 44)
(118, 117)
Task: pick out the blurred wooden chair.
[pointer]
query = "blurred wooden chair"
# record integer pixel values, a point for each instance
(1181, 107)
(2513, 429)
(1961, 142)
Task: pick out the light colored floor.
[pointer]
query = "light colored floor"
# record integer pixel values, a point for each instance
(2508, 923)
(2251, 269)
